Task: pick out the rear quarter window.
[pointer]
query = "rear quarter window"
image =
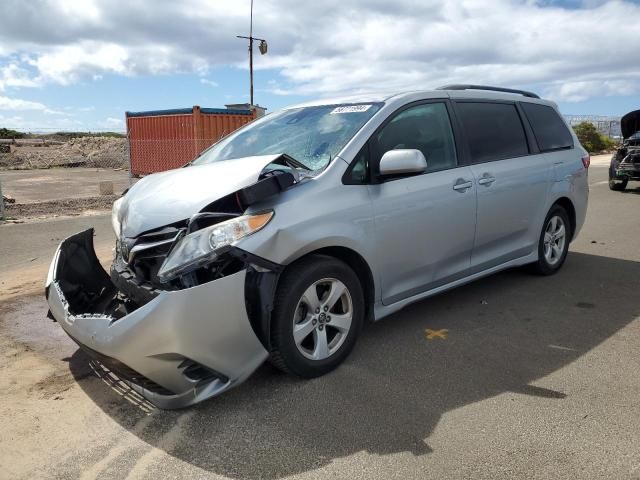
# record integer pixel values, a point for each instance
(550, 131)
(494, 131)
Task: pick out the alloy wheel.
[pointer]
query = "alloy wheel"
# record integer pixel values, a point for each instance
(322, 319)
(555, 237)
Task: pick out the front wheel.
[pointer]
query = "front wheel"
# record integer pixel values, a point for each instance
(617, 185)
(318, 313)
(553, 243)
(614, 183)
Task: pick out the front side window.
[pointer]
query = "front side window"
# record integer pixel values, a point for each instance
(311, 135)
(550, 131)
(494, 131)
(424, 127)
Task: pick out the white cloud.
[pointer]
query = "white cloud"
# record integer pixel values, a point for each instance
(578, 91)
(26, 124)
(69, 63)
(333, 47)
(12, 75)
(113, 122)
(210, 83)
(18, 104)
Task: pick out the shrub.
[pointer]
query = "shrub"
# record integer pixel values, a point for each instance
(591, 139)
(8, 133)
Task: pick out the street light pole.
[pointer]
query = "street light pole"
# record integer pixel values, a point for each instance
(262, 48)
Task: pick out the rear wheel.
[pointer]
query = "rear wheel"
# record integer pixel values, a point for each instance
(318, 313)
(553, 243)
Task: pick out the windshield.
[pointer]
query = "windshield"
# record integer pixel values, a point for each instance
(310, 135)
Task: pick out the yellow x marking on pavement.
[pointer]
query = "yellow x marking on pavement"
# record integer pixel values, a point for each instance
(431, 334)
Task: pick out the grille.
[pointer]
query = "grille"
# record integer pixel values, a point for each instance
(124, 372)
(144, 255)
(125, 280)
(155, 243)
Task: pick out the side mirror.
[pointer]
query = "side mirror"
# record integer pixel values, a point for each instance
(402, 161)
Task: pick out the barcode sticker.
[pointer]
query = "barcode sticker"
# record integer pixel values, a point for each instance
(350, 109)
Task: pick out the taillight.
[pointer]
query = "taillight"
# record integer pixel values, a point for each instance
(586, 160)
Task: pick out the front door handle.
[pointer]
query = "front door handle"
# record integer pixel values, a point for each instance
(486, 180)
(462, 185)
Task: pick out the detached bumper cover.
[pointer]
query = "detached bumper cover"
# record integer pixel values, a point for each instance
(178, 349)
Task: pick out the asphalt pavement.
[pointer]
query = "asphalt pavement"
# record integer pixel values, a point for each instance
(512, 376)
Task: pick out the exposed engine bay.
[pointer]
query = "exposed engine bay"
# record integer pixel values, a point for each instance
(625, 163)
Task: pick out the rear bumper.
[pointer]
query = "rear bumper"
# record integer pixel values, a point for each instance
(178, 349)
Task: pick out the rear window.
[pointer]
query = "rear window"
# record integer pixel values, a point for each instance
(550, 131)
(494, 131)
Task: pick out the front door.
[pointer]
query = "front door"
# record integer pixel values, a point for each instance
(425, 223)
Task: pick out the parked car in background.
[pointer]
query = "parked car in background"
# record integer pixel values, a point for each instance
(282, 239)
(625, 163)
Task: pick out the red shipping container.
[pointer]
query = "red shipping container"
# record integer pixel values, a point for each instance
(164, 139)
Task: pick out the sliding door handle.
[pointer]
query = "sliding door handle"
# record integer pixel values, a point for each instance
(487, 180)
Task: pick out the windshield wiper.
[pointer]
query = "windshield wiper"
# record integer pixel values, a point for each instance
(292, 162)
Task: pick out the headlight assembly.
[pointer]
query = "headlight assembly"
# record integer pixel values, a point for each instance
(200, 248)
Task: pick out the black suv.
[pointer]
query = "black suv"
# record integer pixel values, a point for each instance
(625, 163)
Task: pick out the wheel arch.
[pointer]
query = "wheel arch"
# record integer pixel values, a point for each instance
(359, 265)
(568, 206)
(261, 286)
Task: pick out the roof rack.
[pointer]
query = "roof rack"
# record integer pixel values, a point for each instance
(491, 89)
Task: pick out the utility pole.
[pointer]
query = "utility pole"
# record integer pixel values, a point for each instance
(263, 50)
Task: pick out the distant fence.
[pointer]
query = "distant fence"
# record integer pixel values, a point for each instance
(606, 125)
(157, 155)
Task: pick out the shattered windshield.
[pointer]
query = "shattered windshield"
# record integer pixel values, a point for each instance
(310, 135)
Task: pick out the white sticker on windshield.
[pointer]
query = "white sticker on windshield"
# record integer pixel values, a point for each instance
(350, 109)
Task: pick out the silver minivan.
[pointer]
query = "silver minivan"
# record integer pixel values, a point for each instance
(281, 240)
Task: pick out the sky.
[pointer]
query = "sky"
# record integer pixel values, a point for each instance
(79, 65)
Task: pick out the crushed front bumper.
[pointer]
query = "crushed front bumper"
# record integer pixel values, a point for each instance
(178, 349)
(628, 171)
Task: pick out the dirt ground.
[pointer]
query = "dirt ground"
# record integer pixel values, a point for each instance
(26, 249)
(61, 191)
(536, 378)
(33, 186)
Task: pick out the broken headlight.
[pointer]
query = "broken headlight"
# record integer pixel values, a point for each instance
(199, 248)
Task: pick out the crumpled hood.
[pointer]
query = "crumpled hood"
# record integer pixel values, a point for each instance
(164, 198)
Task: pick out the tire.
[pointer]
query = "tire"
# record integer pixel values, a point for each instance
(551, 259)
(304, 353)
(617, 185)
